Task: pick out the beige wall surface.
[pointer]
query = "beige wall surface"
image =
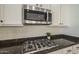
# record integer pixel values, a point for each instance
(26, 31)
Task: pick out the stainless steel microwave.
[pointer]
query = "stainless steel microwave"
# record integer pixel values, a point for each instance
(36, 15)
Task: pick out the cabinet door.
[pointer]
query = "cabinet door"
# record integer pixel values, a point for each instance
(13, 15)
(68, 50)
(46, 6)
(60, 15)
(1, 14)
(57, 52)
(55, 14)
(76, 49)
(65, 14)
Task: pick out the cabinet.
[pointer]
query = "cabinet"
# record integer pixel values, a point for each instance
(65, 14)
(1, 14)
(60, 15)
(46, 6)
(11, 14)
(55, 14)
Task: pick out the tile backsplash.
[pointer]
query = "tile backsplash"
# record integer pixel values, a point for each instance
(26, 31)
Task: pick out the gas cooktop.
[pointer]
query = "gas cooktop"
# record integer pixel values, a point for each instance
(38, 45)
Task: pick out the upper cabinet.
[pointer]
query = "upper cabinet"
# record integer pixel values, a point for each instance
(60, 15)
(1, 14)
(65, 14)
(46, 6)
(55, 14)
(11, 15)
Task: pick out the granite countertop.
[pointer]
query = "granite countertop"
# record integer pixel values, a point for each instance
(20, 41)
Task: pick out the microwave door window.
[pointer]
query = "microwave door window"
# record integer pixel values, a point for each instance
(34, 15)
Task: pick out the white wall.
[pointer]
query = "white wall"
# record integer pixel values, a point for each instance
(73, 29)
